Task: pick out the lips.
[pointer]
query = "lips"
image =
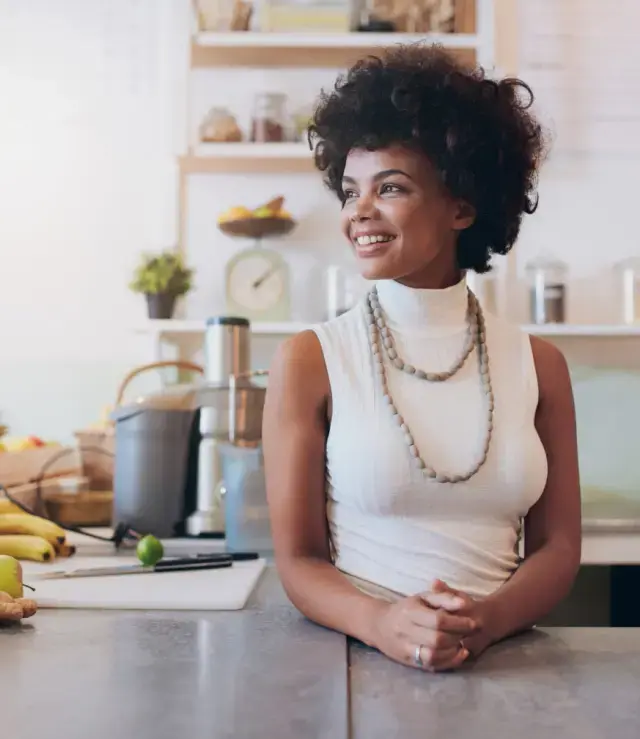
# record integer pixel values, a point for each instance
(367, 239)
(372, 243)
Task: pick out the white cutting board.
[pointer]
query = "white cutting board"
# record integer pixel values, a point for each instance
(226, 589)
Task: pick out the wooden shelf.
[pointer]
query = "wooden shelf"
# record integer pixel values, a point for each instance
(176, 326)
(251, 49)
(585, 330)
(247, 157)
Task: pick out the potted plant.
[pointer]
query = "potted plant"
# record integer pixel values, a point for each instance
(162, 279)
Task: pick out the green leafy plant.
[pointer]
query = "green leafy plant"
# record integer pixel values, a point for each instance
(162, 273)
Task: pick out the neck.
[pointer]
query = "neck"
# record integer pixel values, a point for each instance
(438, 311)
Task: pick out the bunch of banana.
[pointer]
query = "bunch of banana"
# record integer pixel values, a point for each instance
(25, 536)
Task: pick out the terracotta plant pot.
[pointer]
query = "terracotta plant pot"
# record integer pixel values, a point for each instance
(161, 305)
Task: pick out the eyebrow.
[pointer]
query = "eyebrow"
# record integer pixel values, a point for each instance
(380, 175)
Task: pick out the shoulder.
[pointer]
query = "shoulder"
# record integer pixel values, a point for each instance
(552, 370)
(299, 358)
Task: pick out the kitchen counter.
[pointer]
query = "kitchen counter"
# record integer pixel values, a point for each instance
(267, 672)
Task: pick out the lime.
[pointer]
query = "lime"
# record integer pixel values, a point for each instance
(149, 550)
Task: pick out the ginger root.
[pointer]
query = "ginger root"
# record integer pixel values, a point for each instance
(15, 609)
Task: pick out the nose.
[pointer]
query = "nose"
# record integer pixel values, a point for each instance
(364, 208)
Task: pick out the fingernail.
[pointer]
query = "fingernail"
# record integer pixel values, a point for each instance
(466, 653)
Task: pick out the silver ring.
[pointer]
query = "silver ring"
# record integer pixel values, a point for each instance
(417, 656)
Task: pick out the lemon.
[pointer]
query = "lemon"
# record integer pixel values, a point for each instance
(149, 550)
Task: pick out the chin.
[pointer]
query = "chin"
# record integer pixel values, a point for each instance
(379, 268)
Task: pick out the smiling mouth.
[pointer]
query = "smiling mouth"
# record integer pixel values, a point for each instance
(369, 239)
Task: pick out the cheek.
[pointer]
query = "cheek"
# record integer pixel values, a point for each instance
(419, 219)
(345, 222)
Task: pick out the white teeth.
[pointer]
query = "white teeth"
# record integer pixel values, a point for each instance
(373, 239)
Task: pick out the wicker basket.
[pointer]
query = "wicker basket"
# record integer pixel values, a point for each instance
(97, 447)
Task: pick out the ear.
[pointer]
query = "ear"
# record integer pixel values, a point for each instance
(464, 215)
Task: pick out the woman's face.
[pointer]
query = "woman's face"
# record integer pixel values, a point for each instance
(399, 218)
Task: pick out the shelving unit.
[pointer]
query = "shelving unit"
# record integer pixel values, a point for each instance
(302, 50)
(560, 330)
(472, 42)
(245, 157)
(314, 50)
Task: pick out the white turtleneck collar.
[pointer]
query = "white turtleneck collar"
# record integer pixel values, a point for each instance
(435, 312)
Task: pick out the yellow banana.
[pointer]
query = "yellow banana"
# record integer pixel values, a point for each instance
(23, 523)
(6, 506)
(20, 546)
(65, 550)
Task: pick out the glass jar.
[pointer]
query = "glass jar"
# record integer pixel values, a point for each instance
(629, 272)
(219, 126)
(215, 15)
(268, 123)
(547, 290)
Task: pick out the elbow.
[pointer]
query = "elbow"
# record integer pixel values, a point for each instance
(568, 556)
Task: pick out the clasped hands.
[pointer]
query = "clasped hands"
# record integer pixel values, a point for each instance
(442, 625)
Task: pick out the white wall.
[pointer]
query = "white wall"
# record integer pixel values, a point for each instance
(88, 131)
(92, 95)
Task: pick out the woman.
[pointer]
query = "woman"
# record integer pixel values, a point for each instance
(406, 440)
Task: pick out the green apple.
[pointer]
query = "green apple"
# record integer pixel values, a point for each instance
(149, 550)
(10, 576)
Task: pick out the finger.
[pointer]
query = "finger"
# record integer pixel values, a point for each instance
(445, 600)
(440, 620)
(453, 662)
(431, 639)
(440, 586)
(436, 660)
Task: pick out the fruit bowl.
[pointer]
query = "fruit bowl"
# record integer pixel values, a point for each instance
(267, 221)
(258, 228)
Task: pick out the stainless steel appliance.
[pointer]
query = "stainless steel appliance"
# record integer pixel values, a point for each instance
(169, 445)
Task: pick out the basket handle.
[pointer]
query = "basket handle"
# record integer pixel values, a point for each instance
(155, 365)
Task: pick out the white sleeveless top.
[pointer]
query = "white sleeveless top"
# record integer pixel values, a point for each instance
(393, 531)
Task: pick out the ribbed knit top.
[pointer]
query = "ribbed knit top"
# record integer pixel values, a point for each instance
(393, 530)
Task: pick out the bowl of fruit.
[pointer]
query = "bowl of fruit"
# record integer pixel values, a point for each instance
(267, 221)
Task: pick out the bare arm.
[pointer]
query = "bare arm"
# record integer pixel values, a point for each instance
(553, 525)
(294, 440)
(295, 427)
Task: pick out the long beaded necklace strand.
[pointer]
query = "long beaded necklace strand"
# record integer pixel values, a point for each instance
(381, 341)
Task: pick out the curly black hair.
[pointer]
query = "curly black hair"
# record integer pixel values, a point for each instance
(479, 134)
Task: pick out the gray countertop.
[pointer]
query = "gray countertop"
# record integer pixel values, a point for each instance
(267, 672)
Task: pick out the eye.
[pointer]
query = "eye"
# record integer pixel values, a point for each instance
(349, 195)
(390, 188)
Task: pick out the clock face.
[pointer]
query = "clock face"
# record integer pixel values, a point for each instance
(257, 283)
